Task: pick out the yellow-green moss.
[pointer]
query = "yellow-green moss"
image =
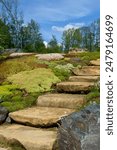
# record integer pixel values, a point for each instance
(37, 80)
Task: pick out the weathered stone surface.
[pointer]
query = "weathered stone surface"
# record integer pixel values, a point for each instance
(74, 87)
(29, 137)
(40, 116)
(81, 130)
(87, 71)
(51, 56)
(84, 78)
(3, 148)
(61, 100)
(3, 114)
(20, 54)
(95, 62)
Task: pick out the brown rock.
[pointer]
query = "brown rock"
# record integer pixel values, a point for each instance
(87, 71)
(95, 62)
(20, 54)
(84, 78)
(74, 87)
(40, 116)
(61, 100)
(31, 138)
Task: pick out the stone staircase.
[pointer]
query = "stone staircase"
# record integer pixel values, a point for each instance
(36, 128)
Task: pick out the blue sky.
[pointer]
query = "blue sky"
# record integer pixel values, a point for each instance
(55, 16)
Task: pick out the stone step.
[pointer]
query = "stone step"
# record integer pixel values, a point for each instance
(30, 138)
(61, 100)
(84, 78)
(74, 87)
(87, 71)
(40, 116)
(95, 62)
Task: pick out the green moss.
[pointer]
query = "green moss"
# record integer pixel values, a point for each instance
(37, 80)
(93, 96)
(7, 90)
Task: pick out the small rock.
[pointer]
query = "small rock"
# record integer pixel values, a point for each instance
(8, 120)
(3, 114)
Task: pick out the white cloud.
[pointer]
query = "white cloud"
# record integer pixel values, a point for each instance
(45, 43)
(68, 26)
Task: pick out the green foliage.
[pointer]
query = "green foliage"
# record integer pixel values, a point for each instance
(4, 36)
(93, 96)
(37, 80)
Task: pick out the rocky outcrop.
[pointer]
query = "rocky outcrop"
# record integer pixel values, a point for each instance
(3, 114)
(40, 116)
(27, 137)
(50, 57)
(61, 100)
(81, 130)
(74, 87)
(87, 71)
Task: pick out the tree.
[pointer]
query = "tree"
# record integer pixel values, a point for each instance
(4, 35)
(53, 45)
(12, 16)
(71, 38)
(32, 38)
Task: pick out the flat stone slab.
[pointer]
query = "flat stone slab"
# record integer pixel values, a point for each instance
(74, 87)
(3, 148)
(61, 100)
(20, 54)
(50, 57)
(40, 116)
(87, 71)
(95, 62)
(84, 78)
(29, 137)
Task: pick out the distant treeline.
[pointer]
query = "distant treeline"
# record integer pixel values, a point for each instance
(15, 34)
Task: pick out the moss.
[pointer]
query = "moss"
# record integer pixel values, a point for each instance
(37, 80)
(93, 96)
(18, 102)
(7, 90)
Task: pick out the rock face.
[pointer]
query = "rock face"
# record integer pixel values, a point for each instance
(40, 116)
(51, 56)
(84, 78)
(61, 100)
(87, 71)
(30, 138)
(81, 130)
(3, 114)
(74, 87)
(95, 62)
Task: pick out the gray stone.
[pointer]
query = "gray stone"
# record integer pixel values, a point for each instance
(81, 130)
(3, 114)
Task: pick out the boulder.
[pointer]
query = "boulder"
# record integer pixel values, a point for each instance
(61, 100)
(40, 116)
(50, 57)
(87, 71)
(28, 138)
(81, 130)
(84, 78)
(74, 87)
(3, 114)
(95, 62)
